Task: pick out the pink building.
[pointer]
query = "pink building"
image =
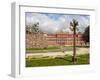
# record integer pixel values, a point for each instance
(64, 39)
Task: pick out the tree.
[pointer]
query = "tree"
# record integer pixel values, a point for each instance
(39, 38)
(35, 28)
(86, 35)
(27, 29)
(73, 28)
(32, 29)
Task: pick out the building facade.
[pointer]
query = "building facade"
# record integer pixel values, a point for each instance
(65, 39)
(59, 39)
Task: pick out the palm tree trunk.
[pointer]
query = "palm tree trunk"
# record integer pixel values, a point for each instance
(74, 47)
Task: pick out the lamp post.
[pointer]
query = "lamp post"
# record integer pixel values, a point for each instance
(74, 28)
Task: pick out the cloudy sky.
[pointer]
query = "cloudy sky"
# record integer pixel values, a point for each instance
(52, 23)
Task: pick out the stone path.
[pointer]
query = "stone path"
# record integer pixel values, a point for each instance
(58, 54)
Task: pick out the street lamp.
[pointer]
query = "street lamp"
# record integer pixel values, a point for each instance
(74, 28)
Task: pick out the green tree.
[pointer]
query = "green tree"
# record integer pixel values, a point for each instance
(35, 28)
(86, 35)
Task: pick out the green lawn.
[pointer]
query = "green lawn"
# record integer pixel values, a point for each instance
(39, 50)
(67, 60)
(48, 48)
(52, 49)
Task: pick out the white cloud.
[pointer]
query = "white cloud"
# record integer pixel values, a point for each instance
(50, 25)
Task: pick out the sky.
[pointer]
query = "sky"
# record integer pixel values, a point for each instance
(53, 23)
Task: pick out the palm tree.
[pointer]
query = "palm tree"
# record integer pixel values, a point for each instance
(73, 28)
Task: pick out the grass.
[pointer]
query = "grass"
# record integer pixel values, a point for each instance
(67, 60)
(49, 49)
(52, 49)
(34, 50)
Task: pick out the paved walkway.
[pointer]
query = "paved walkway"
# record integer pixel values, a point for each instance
(58, 54)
